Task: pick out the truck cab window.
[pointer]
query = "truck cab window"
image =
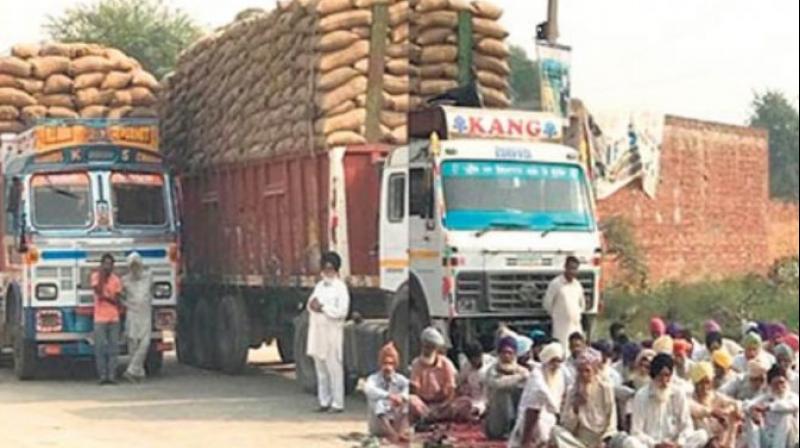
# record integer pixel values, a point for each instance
(138, 199)
(421, 201)
(397, 198)
(61, 200)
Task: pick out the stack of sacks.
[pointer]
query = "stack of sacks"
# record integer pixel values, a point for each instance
(435, 48)
(292, 79)
(70, 81)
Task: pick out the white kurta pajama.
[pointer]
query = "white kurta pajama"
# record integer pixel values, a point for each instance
(655, 422)
(566, 303)
(780, 426)
(326, 340)
(544, 398)
(138, 320)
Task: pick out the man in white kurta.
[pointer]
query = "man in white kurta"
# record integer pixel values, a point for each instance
(565, 302)
(661, 412)
(328, 306)
(774, 414)
(541, 401)
(137, 286)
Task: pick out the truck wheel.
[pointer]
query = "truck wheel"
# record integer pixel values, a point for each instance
(406, 323)
(25, 357)
(233, 334)
(304, 365)
(286, 346)
(183, 338)
(204, 335)
(154, 362)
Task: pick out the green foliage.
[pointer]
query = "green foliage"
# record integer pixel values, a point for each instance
(773, 111)
(621, 244)
(147, 30)
(728, 301)
(525, 88)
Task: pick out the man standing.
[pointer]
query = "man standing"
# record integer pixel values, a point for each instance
(565, 302)
(329, 305)
(107, 288)
(138, 323)
(661, 413)
(387, 397)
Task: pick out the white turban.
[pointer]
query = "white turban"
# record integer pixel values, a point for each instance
(432, 336)
(551, 352)
(134, 258)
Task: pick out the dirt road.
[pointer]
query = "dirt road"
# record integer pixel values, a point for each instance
(185, 407)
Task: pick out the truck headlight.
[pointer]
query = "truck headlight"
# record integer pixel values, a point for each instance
(46, 291)
(162, 290)
(164, 319)
(49, 321)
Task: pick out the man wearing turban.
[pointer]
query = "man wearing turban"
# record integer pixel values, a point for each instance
(717, 414)
(387, 398)
(753, 349)
(661, 412)
(504, 381)
(773, 415)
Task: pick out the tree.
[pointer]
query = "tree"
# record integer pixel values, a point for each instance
(524, 80)
(147, 30)
(773, 112)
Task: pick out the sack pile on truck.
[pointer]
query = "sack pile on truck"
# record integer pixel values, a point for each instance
(59, 80)
(291, 79)
(435, 50)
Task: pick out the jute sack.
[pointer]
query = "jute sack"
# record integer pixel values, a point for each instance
(435, 54)
(141, 78)
(345, 57)
(350, 90)
(57, 84)
(344, 21)
(327, 7)
(393, 119)
(436, 86)
(431, 5)
(493, 47)
(395, 85)
(344, 138)
(32, 86)
(61, 112)
(25, 51)
(90, 64)
(398, 67)
(8, 113)
(142, 96)
(15, 97)
(116, 80)
(335, 78)
(439, 71)
(45, 66)
(32, 113)
(493, 64)
(348, 121)
(495, 98)
(490, 79)
(487, 10)
(488, 28)
(10, 65)
(336, 40)
(88, 80)
(94, 112)
(437, 36)
(9, 81)
(11, 126)
(439, 19)
(58, 100)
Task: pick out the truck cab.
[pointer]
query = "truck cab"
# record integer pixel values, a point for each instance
(496, 205)
(75, 190)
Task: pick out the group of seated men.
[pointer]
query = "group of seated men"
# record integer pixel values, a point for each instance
(671, 391)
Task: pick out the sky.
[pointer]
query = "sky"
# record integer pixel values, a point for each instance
(695, 58)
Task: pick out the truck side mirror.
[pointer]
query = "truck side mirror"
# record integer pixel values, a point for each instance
(14, 207)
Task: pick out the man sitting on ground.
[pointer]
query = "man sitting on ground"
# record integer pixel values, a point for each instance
(471, 378)
(717, 414)
(387, 397)
(774, 414)
(504, 382)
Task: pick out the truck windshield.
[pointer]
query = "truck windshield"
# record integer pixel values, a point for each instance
(61, 200)
(139, 199)
(481, 195)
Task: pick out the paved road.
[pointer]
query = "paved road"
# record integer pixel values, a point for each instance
(185, 407)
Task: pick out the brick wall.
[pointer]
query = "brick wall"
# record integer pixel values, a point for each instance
(783, 230)
(710, 217)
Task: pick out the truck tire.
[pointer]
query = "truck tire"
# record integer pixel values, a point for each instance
(204, 335)
(304, 365)
(233, 334)
(406, 323)
(25, 358)
(154, 362)
(285, 342)
(183, 337)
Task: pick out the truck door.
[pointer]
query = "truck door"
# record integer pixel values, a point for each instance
(426, 240)
(394, 228)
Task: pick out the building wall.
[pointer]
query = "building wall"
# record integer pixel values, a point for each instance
(712, 216)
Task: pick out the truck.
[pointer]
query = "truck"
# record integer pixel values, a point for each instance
(462, 229)
(74, 190)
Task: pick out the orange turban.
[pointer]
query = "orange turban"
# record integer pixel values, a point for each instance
(388, 355)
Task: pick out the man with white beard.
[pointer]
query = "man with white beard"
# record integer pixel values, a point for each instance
(661, 413)
(774, 414)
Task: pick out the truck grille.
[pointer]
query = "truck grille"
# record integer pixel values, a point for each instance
(501, 292)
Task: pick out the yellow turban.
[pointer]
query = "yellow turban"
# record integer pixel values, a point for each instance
(664, 345)
(722, 358)
(701, 371)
